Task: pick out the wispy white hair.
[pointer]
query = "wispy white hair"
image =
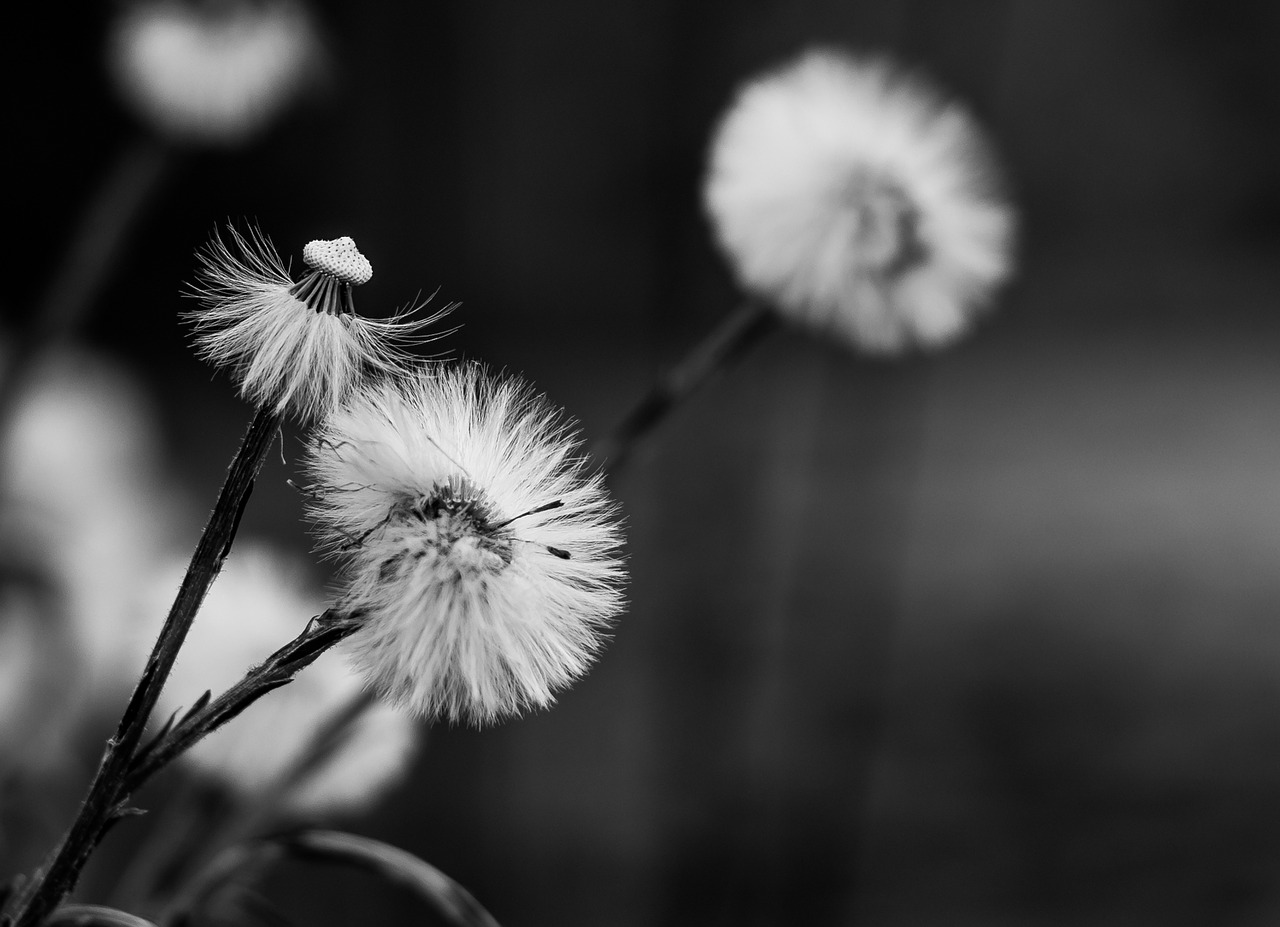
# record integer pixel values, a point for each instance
(290, 346)
(478, 548)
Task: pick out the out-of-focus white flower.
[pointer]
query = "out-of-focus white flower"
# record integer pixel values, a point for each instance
(84, 512)
(481, 555)
(859, 202)
(215, 72)
(300, 346)
(258, 604)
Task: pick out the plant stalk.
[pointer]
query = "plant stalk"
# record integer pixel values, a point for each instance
(723, 345)
(98, 239)
(107, 800)
(277, 670)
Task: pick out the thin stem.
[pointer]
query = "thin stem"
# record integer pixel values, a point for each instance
(190, 816)
(323, 745)
(239, 861)
(252, 820)
(102, 230)
(107, 800)
(728, 341)
(277, 670)
(450, 901)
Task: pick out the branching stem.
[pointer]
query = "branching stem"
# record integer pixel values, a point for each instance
(107, 800)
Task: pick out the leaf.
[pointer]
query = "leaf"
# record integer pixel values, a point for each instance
(198, 705)
(398, 866)
(93, 915)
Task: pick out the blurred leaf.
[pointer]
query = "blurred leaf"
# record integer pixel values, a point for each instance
(395, 865)
(94, 915)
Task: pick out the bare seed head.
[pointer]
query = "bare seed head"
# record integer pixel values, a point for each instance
(340, 258)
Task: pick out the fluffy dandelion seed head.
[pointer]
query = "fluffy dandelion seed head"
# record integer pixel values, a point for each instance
(260, 602)
(339, 258)
(213, 72)
(859, 202)
(294, 346)
(479, 552)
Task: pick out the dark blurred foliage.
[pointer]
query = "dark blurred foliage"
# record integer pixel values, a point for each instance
(984, 638)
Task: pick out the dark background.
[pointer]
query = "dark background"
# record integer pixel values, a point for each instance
(985, 637)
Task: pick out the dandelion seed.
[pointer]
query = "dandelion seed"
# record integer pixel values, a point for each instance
(859, 202)
(259, 603)
(296, 346)
(478, 550)
(213, 72)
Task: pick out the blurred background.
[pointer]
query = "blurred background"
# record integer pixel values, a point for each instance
(983, 637)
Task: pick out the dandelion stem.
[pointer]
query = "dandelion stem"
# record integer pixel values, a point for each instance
(253, 821)
(325, 743)
(103, 228)
(177, 838)
(277, 670)
(108, 796)
(723, 345)
(238, 863)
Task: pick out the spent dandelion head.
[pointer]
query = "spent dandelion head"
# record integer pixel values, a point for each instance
(259, 603)
(859, 202)
(291, 345)
(478, 551)
(213, 73)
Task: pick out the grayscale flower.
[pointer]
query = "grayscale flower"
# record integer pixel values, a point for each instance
(478, 550)
(859, 202)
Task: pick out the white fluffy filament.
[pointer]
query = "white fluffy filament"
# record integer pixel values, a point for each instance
(292, 347)
(476, 546)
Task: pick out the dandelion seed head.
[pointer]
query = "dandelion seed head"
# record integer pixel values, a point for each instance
(859, 202)
(295, 346)
(339, 258)
(261, 601)
(452, 501)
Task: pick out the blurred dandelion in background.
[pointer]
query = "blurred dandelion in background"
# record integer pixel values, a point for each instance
(196, 72)
(852, 198)
(859, 201)
(984, 638)
(86, 509)
(213, 72)
(477, 549)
